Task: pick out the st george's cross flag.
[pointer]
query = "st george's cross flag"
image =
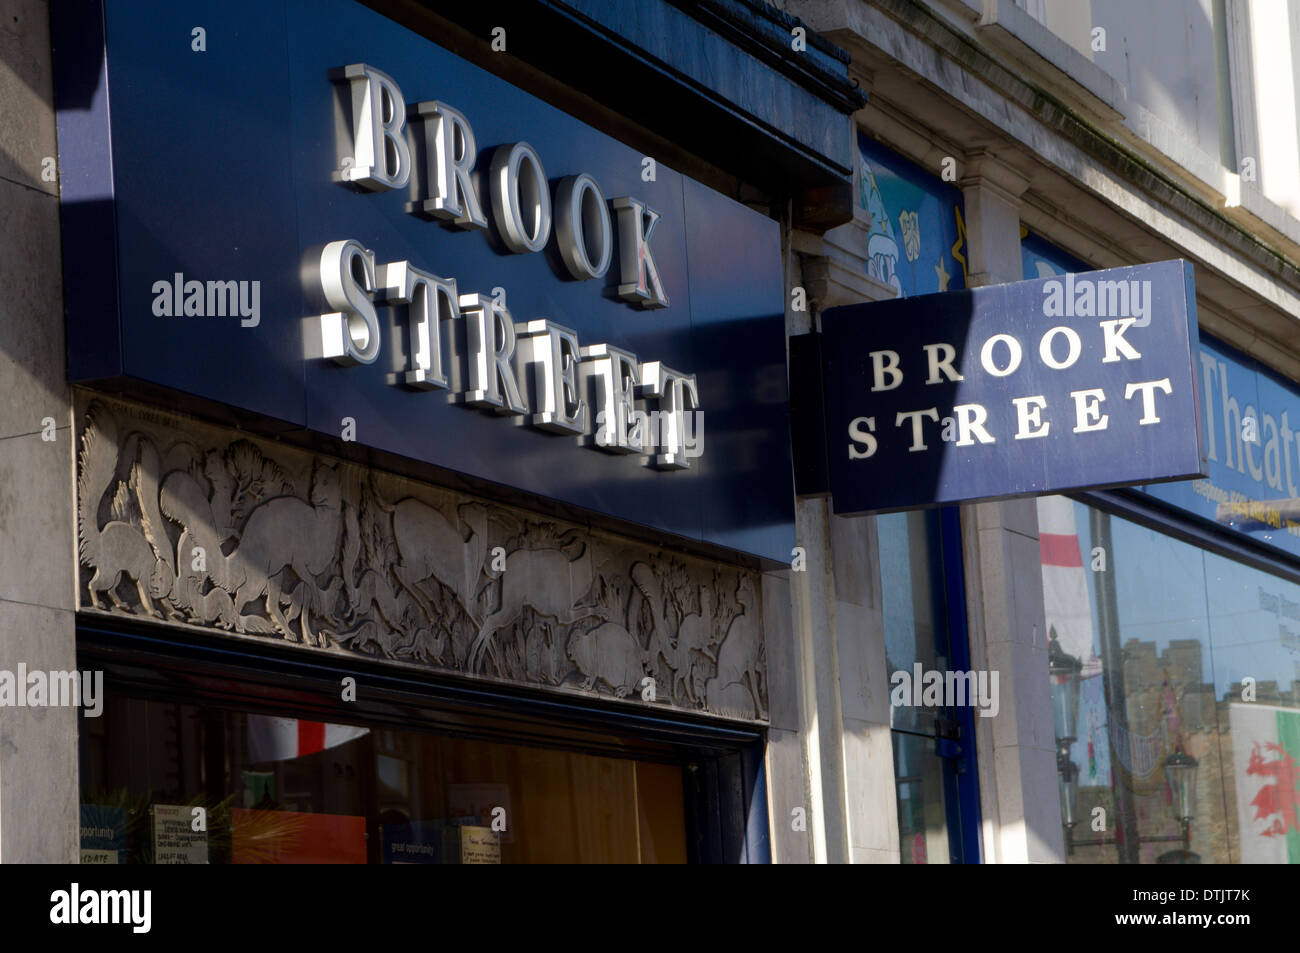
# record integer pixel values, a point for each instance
(1065, 582)
(279, 739)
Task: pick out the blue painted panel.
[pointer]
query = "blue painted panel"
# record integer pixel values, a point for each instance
(962, 772)
(671, 36)
(1252, 486)
(86, 191)
(221, 169)
(1041, 259)
(946, 465)
(917, 242)
(728, 315)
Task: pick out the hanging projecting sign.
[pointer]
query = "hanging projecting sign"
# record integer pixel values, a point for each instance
(1081, 380)
(307, 214)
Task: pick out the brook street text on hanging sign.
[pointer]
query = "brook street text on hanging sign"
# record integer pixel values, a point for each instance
(1027, 388)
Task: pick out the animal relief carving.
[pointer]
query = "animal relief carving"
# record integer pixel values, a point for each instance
(120, 548)
(178, 521)
(610, 654)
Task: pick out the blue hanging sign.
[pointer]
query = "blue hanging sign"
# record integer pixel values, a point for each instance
(1060, 383)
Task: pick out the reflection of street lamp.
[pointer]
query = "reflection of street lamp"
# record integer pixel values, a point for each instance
(1064, 670)
(1180, 767)
(1180, 771)
(1068, 779)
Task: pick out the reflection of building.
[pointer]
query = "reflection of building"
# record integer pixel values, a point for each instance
(1206, 731)
(1145, 675)
(1139, 742)
(1265, 691)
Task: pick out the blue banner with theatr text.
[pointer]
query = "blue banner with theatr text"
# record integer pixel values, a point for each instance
(1247, 418)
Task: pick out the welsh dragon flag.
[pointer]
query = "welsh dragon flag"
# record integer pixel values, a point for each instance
(1266, 768)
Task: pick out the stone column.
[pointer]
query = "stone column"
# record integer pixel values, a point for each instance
(39, 794)
(837, 687)
(805, 758)
(789, 786)
(1004, 592)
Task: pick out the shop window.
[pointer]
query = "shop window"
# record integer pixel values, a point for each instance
(934, 757)
(204, 763)
(1175, 676)
(298, 791)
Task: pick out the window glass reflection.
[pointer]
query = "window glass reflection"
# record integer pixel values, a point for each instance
(287, 790)
(1174, 681)
(917, 634)
(922, 813)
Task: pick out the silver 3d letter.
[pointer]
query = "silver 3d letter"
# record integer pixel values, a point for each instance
(381, 159)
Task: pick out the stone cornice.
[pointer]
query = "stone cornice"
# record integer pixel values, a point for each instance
(986, 170)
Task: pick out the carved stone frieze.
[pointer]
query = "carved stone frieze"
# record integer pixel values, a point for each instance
(198, 526)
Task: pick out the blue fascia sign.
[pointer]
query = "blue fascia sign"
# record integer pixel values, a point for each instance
(1061, 383)
(310, 215)
(1249, 419)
